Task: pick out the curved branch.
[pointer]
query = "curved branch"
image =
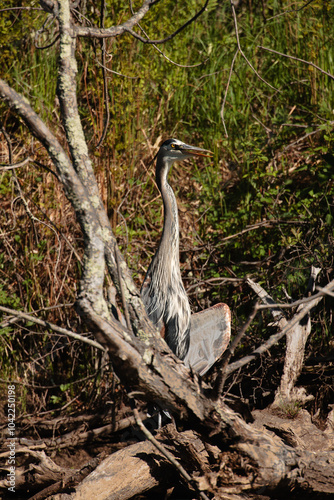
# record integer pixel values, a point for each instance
(226, 90)
(91, 32)
(164, 55)
(130, 23)
(105, 82)
(93, 269)
(242, 52)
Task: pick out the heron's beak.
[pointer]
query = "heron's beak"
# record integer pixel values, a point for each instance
(194, 151)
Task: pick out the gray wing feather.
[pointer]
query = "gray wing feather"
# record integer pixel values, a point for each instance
(210, 332)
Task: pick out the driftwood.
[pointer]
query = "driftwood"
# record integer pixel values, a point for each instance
(296, 338)
(134, 470)
(140, 467)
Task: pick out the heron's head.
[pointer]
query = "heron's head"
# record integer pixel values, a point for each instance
(175, 150)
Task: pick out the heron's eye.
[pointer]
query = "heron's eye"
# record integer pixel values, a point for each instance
(173, 146)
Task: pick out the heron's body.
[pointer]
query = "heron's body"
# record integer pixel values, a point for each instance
(163, 293)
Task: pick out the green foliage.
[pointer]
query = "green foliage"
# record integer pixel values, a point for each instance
(290, 409)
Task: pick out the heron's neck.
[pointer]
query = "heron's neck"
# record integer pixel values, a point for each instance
(170, 234)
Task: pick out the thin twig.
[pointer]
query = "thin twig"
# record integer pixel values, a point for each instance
(34, 219)
(121, 285)
(213, 282)
(324, 291)
(167, 454)
(16, 165)
(291, 10)
(17, 183)
(52, 327)
(15, 319)
(160, 51)
(226, 90)
(49, 20)
(297, 59)
(21, 8)
(117, 72)
(127, 26)
(105, 81)
(263, 223)
(169, 37)
(43, 387)
(221, 366)
(243, 54)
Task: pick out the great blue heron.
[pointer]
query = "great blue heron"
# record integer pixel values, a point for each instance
(162, 292)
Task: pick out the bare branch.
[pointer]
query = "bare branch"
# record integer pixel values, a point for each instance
(84, 168)
(164, 55)
(121, 282)
(243, 54)
(309, 63)
(133, 21)
(105, 82)
(226, 90)
(16, 165)
(315, 299)
(290, 10)
(116, 72)
(263, 223)
(51, 326)
(20, 8)
(221, 366)
(114, 31)
(322, 291)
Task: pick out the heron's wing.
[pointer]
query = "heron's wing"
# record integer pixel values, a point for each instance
(210, 332)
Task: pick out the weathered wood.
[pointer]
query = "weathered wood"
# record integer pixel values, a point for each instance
(296, 337)
(259, 459)
(134, 470)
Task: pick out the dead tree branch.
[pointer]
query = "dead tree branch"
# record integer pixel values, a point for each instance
(278, 336)
(51, 326)
(309, 63)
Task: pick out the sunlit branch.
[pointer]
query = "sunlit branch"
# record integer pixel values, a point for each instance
(133, 21)
(226, 90)
(243, 54)
(309, 63)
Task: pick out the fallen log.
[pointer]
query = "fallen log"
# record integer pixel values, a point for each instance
(259, 459)
(132, 471)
